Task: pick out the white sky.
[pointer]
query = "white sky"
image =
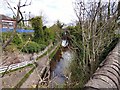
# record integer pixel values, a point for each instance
(53, 10)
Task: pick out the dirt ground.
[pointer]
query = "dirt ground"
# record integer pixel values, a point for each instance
(9, 58)
(11, 79)
(34, 77)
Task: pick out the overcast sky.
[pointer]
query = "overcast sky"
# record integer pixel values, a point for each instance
(53, 10)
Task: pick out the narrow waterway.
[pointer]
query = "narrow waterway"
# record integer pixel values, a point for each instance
(60, 67)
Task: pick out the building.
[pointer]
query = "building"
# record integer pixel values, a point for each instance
(6, 22)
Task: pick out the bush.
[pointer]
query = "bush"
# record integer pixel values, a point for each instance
(5, 36)
(31, 47)
(42, 46)
(108, 49)
(11, 48)
(26, 36)
(16, 40)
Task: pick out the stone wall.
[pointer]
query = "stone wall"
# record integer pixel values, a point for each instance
(107, 76)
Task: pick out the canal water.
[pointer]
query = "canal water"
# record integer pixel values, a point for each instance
(60, 67)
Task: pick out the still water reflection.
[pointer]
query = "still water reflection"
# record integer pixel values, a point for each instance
(60, 67)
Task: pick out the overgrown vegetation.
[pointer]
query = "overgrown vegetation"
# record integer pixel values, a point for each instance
(93, 36)
(37, 41)
(38, 30)
(31, 47)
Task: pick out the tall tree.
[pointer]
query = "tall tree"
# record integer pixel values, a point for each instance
(94, 20)
(37, 24)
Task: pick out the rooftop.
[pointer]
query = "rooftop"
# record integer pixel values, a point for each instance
(3, 17)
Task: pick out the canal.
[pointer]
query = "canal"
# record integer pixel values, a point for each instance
(59, 67)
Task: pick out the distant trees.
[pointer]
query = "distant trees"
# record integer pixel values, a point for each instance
(56, 30)
(59, 24)
(43, 34)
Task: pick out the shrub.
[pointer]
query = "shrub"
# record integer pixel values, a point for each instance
(42, 46)
(31, 47)
(5, 36)
(16, 40)
(26, 36)
(11, 48)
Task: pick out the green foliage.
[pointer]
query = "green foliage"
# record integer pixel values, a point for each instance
(17, 40)
(47, 36)
(55, 32)
(6, 36)
(75, 32)
(11, 48)
(26, 36)
(108, 49)
(51, 34)
(81, 68)
(31, 47)
(78, 77)
(117, 35)
(37, 25)
(42, 46)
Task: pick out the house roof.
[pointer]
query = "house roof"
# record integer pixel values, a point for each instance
(3, 17)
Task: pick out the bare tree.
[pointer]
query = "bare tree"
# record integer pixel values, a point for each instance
(98, 23)
(19, 18)
(119, 8)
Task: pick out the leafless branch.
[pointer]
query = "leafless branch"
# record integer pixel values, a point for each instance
(9, 6)
(17, 21)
